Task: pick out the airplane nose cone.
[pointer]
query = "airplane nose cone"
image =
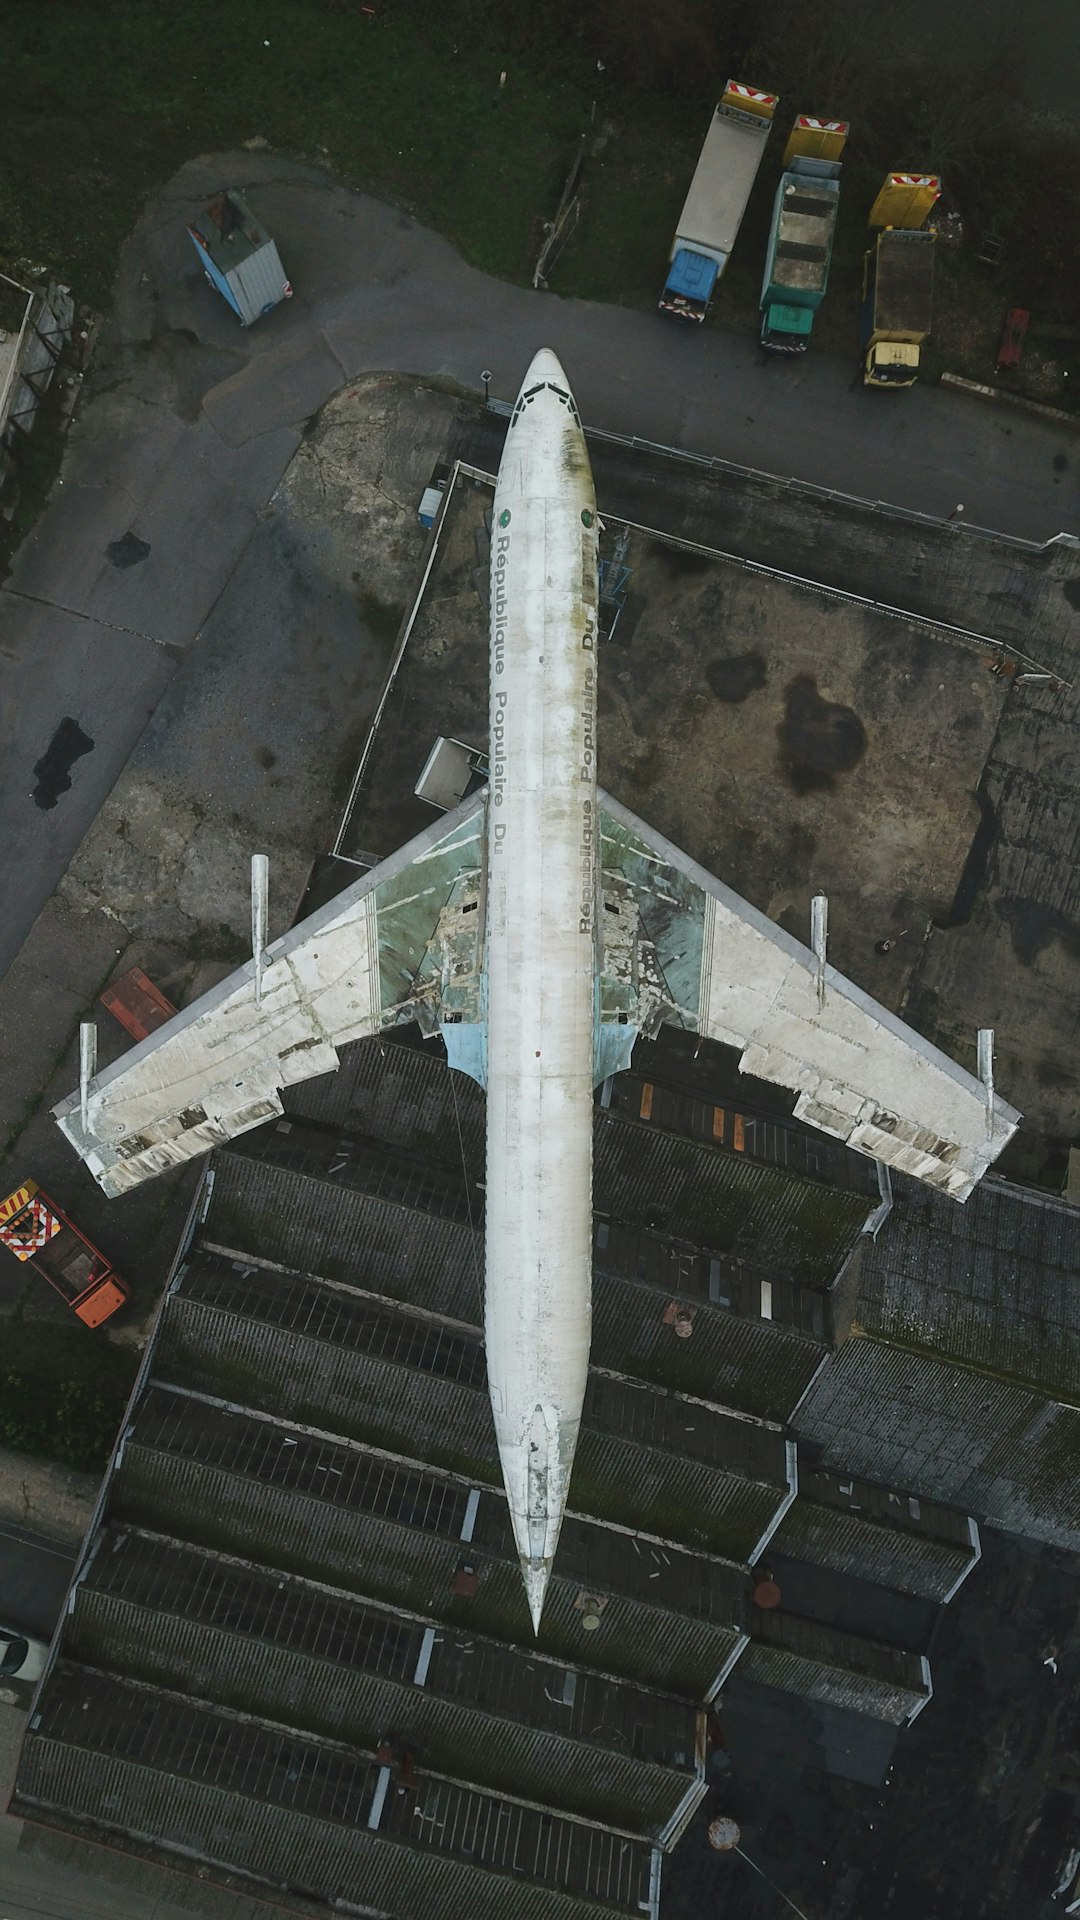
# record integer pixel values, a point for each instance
(545, 365)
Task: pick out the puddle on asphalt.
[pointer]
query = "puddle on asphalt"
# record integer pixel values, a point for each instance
(53, 770)
(127, 552)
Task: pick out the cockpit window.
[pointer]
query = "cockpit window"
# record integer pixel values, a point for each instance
(546, 386)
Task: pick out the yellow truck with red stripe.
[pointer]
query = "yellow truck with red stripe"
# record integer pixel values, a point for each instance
(38, 1232)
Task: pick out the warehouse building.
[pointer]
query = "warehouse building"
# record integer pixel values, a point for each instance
(298, 1652)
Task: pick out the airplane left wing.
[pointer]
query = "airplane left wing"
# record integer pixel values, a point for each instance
(401, 944)
(682, 948)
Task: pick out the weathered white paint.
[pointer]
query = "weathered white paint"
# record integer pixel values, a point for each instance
(541, 957)
(859, 1072)
(260, 914)
(218, 1068)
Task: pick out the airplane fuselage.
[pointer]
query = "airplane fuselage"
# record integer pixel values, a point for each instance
(540, 956)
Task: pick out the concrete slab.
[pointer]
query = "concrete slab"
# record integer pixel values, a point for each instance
(83, 520)
(250, 749)
(150, 553)
(47, 1505)
(122, 441)
(282, 388)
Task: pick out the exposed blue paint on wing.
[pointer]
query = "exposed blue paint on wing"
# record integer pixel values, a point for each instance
(466, 1048)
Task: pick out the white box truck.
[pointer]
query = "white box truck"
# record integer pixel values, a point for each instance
(717, 199)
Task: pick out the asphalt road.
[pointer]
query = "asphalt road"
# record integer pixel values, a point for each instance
(189, 423)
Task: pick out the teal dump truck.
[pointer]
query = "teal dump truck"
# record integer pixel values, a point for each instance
(800, 250)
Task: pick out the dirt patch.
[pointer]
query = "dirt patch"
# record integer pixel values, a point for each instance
(818, 737)
(734, 677)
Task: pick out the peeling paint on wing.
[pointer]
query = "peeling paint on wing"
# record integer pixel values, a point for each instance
(218, 1068)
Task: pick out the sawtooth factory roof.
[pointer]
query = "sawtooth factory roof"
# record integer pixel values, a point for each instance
(298, 1650)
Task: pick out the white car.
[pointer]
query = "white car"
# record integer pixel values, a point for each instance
(21, 1656)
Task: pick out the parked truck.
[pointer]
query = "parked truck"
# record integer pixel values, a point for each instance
(906, 200)
(898, 304)
(799, 253)
(37, 1231)
(716, 202)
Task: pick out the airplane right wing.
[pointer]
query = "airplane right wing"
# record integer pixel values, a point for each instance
(679, 947)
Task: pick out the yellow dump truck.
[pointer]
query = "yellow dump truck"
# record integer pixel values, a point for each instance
(898, 306)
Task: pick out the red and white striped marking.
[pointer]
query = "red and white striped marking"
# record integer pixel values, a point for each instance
(755, 94)
(33, 1229)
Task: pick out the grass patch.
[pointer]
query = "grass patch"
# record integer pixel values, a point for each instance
(62, 1393)
(633, 186)
(114, 98)
(105, 102)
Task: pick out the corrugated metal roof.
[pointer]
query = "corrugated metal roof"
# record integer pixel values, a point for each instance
(639, 1096)
(316, 1355)
(306, 1225)
(725, 1202)
(920, 1517)
(863, 1548)
(342, 1234)
(725, 1280)
(816, 1677)
(390, 1530)
(703, 1191)
(992, 1283)
(905, 1419)
(396, 1091)
(316, 1819)
(396, 1380)
(402, 1174)
(752, 1365)
(214, 1628)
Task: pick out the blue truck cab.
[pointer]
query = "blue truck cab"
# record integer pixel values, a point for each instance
(688, 287)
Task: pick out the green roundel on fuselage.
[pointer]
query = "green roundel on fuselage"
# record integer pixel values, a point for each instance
(504, 517)
(586, 517)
